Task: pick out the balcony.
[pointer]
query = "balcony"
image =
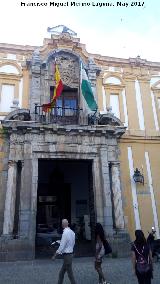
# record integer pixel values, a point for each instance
(60, 115)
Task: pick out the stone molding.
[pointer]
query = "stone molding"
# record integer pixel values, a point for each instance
(12, 126)
(18, 114)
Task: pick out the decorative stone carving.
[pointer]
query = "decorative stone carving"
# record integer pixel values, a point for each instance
(18, 114)
(35, 85)
(109, 119)
(36, 57)
(61, 29)
(138, 61)
(16, 139)
(69, 69)
(65, 37)
(93, 71)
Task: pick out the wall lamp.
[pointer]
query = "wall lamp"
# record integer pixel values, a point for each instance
(138, 177)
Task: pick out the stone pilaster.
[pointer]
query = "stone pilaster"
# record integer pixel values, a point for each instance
(35, 89)
(93, 71)
(117, 196)
(10, 199)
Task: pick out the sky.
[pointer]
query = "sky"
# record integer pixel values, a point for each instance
(119, 31)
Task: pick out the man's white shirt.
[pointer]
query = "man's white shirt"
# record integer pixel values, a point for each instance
(67, 242)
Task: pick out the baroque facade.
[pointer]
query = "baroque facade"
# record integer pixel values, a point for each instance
(89, 156)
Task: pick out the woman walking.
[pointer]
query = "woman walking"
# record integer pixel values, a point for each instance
(142, 259)
(100, 251)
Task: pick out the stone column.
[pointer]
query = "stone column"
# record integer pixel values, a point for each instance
(25, 198)
(10, 199)
(117, 197)
(107, 204)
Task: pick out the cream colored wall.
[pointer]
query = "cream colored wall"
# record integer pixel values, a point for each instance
(147, 106)
(126, 189)
(131, 104)
(140, 142)
(143, 193)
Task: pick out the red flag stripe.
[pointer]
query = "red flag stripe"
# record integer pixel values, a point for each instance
(59, 89)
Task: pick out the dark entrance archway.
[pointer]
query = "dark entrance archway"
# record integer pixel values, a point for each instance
(65, 190)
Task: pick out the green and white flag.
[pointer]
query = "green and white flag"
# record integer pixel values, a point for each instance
(87, 90)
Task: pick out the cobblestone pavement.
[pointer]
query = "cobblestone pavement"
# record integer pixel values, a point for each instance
(118, 271)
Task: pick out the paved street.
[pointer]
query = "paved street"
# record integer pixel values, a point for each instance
(119, 271)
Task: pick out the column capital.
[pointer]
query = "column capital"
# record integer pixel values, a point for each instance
(129, 77)
(155, 90)
(11, 163)
(116, 163)
(144, 78)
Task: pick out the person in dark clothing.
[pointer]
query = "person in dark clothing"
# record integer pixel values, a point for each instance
(140, 248)
(100, 239)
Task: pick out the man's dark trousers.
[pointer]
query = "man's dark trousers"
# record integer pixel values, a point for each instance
(67, 267)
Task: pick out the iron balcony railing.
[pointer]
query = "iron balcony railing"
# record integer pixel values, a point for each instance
(60, 115)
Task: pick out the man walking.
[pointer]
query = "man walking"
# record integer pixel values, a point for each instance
(66, 248)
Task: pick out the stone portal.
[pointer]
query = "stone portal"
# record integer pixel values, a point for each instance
(32, 143)
(65, 190)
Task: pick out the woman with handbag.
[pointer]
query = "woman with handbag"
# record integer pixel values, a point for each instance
(142, 259)
(100, 251)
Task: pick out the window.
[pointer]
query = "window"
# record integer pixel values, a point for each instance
(114, 103)
(66, 103)
(70, 105)
(112, 80)
(9, 69)
(59, 106)
(6, 98)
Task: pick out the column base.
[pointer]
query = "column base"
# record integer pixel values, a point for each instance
(121, 243)
(16, 249)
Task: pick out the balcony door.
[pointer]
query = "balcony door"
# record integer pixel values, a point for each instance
(67, 103)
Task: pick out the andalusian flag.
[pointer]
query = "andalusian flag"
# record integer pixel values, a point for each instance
(57, 91)
(87, 90)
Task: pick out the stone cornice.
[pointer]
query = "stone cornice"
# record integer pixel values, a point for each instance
(113, 86)
(74, 42)
(16, 48)
(16, 126)
(155, 90)
(10, 76)
(133, 138)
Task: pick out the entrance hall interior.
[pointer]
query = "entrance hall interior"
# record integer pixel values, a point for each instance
(64, 191)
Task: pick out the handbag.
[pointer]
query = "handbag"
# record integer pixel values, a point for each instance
(143, 265)
(107, 247)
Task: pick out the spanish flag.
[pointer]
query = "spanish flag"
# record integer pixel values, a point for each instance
(48, 107)
(57, 91)
(59, 85)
